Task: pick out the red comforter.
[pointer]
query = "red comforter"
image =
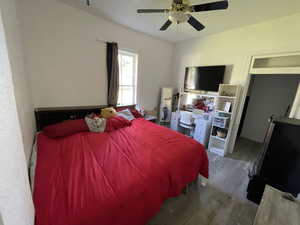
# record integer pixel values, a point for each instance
(116, 178)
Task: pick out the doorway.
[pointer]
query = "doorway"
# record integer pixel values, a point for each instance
(267, 95)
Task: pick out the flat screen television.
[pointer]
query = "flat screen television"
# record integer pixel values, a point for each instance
(203, 78)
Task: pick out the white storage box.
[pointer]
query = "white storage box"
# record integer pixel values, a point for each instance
(221, 122)
(217, 151)
(217, 146)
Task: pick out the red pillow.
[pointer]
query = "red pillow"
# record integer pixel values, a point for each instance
(66, 128)
(134, 112)
(121, 108)
(116, 123)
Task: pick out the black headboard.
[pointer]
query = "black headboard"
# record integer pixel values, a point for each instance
(47, 116)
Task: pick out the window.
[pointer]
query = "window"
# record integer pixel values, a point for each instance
(127, 78)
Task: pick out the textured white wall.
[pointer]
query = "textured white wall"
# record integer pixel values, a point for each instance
(270, 95)
(68, 67)
(20, 78)
(235, 48)
(16, 205)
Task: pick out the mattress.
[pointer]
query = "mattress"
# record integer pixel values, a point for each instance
(113, 178)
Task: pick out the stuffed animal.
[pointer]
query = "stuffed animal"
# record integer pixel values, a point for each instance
(108, 113)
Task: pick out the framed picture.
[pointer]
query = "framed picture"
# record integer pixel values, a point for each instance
(227, 106)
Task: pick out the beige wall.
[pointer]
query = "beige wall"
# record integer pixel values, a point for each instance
(20, 78)
(67, 65)
(16, 206)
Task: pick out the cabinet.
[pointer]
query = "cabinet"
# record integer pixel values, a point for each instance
(275, 209)
(279, 163)
(202, 131)
(276, 64)
(175, 120)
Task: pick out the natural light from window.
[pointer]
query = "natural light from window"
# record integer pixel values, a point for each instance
(127, 77)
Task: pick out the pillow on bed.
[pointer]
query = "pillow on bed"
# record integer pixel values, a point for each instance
(134, 112)
(116, 123)
(95, 123)
(126, 114)
(66, 128)
(93, 115)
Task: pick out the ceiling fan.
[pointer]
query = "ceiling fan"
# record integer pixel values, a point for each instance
(180, 11)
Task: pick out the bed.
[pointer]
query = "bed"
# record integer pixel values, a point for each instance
(112, 178)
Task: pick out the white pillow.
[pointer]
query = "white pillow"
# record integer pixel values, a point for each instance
(126, 114)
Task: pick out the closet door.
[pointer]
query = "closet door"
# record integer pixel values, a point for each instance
(295, 110)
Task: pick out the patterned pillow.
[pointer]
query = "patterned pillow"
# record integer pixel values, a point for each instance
(95, 124)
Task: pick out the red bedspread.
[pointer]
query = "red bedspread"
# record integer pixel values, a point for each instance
(116, 178)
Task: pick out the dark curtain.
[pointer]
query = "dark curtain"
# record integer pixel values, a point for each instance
(112, 73)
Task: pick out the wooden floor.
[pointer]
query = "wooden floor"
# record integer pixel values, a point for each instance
(223, 201)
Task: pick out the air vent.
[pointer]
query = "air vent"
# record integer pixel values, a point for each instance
(87, 2)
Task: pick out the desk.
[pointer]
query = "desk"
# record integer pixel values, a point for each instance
(276, 210)
(202, 126)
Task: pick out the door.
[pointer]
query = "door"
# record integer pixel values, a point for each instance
(270, 95)
(295, 109)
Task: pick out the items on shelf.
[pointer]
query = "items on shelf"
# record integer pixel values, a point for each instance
(220, 109)
(203, 103)
(198, 102)
(219, 132)
(229, 90)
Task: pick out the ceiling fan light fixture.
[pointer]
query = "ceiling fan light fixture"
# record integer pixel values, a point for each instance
(180, 10)
(179, 17)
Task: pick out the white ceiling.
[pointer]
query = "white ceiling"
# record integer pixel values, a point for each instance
(239, 13)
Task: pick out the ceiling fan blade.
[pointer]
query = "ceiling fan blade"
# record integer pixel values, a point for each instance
(195, 23)
(210, 6)
(152, 10)
(166, 25)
